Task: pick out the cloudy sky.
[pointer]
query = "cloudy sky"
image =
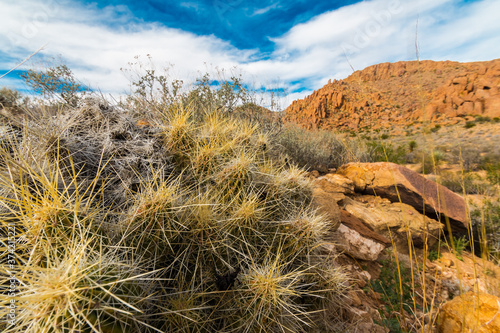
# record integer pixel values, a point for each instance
(297, 45)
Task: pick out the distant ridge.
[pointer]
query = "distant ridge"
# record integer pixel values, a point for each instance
(400, 93)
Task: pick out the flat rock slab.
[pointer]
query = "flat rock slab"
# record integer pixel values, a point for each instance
(400, 184)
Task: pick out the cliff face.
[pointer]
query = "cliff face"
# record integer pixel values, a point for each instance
(401, 93)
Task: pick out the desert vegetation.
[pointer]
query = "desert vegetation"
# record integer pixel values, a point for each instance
(163, 213)
(191, 208)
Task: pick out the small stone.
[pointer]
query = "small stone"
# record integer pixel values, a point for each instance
(447, 262)
(366, 275)
(445, 295)
(314, 173)
(354, 298)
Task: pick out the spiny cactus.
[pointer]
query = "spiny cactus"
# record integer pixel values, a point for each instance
(187, 225)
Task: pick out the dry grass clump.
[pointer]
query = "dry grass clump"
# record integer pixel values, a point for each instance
(319, 149)
(184, 224)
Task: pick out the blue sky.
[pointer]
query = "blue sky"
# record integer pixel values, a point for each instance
(296, 45)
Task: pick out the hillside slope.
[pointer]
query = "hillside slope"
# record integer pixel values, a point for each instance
(400, 93)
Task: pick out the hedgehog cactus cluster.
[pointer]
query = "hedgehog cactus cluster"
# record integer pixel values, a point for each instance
(185, 224)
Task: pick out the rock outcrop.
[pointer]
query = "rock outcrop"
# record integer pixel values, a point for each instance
(471, 312)
(396, 221)
(372, 224)
(326, 204)
(399, 93)
(400, 184)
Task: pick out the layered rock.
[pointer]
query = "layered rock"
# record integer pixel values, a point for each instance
(394, 221)
(337, 186)
(400, 184)
(399, 93)
(358, 239)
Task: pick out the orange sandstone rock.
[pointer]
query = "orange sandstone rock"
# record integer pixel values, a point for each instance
(471, 312)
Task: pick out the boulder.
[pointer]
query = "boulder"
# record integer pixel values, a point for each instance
(338, 183)
(365, 320)
(471, 312)
(400, 184)
(337, 186)
(394, 221)
(326, 203)
(328, 191)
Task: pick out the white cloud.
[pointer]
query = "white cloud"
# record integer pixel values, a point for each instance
(371, 32)
(96, 51)
(264, 10)
(97, 43)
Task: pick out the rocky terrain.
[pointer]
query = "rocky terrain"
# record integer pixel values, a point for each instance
(400, 94)
(363, 247)
(405, 238)
(385, 211)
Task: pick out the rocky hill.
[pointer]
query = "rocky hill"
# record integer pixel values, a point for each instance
(400, 93)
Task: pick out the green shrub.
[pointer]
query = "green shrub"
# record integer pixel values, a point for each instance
(412, 145)
(483, 119)
(459, 245)
(386, 152)
(434, 255)
(470, 124)
(395, 286)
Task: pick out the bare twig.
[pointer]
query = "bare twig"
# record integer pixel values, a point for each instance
(22, 62)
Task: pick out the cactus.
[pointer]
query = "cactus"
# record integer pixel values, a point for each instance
(196, 229)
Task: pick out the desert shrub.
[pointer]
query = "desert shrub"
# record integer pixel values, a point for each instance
(469, 124)
(493, 172)
(435, 128)
(468, 183)
(483, 119)
(183, 223)
(317, 149)
(219, 94)
(486, 225)
(386, 152)
(155, 88)
(466, 156)
(9, 98)
(56, 82)
(412, 145)
(430, 161)
(270, 122)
